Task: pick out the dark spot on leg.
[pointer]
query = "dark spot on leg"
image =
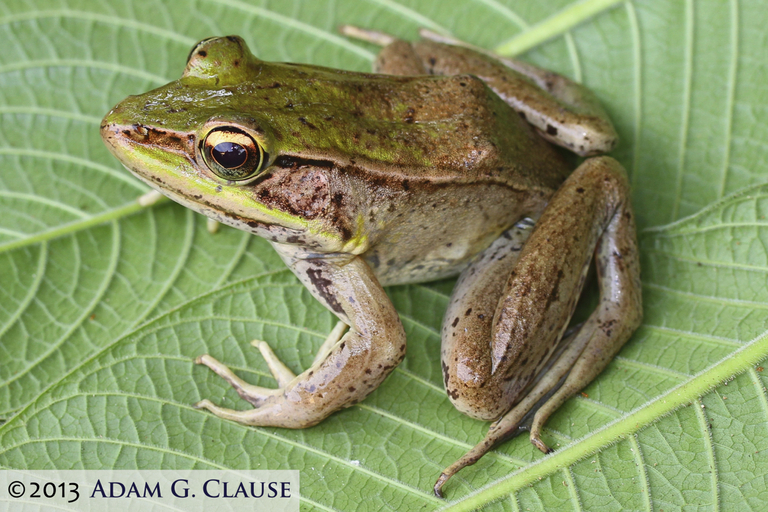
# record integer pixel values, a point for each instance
(325, 288)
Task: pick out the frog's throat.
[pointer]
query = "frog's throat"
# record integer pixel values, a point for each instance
(273, 225)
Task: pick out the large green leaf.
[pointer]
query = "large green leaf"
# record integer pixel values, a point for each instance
(103, 304)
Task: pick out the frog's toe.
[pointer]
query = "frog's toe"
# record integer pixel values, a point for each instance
(371, 36)
(282, 373)
(256, 395)
(541, 445)
(245, 417)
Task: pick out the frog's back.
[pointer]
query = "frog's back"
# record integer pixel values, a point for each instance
(435, 128)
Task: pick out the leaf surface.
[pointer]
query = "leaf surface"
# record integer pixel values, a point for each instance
(104, 304)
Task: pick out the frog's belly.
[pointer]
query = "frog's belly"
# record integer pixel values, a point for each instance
(434, 265)
(439, 238)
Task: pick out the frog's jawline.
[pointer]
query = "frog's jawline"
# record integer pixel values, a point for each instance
(271, 232)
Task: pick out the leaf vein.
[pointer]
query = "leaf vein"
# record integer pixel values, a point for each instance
(698, 406)
(732, 72)
(686, 106)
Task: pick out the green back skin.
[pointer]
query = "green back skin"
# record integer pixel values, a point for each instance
(358, 163)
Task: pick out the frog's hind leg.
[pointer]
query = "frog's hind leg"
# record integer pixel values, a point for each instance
(563, 111)
(591, 213)
(364, 34)
(397, 57)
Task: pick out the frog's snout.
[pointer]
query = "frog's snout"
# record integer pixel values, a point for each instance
(111, 132)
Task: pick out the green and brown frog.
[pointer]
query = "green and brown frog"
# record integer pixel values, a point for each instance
(440, 163)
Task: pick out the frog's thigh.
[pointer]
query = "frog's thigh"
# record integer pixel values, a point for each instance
(466, 358)
(399, 58)
(565, 112)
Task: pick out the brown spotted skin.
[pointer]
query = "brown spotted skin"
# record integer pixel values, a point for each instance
(437, 165)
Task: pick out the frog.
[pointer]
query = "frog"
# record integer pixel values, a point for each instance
(445, 161)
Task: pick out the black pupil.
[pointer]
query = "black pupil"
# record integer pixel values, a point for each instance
(229, 155)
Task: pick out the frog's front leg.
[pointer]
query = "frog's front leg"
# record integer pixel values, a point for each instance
(347, 368)
(525, 316)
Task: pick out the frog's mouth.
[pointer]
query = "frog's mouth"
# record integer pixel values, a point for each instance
(136, 139)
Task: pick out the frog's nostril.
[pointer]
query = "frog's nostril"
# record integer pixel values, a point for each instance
(135, 132)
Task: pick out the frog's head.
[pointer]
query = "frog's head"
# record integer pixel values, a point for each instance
(208, 142)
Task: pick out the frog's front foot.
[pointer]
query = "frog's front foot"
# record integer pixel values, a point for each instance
(265, 400)
(347, 367)
(256, 395)
(271, 405)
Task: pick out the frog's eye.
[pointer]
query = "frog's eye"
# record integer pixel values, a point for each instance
(232, 154)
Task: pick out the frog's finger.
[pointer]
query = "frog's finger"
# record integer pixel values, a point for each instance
(212, 226)
(282, 373)
(333, 338)
(278, 413)
(256, 395)
(245, 417)
(150, 198)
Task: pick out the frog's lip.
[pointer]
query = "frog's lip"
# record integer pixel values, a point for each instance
(118, 135)
(137, 146)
